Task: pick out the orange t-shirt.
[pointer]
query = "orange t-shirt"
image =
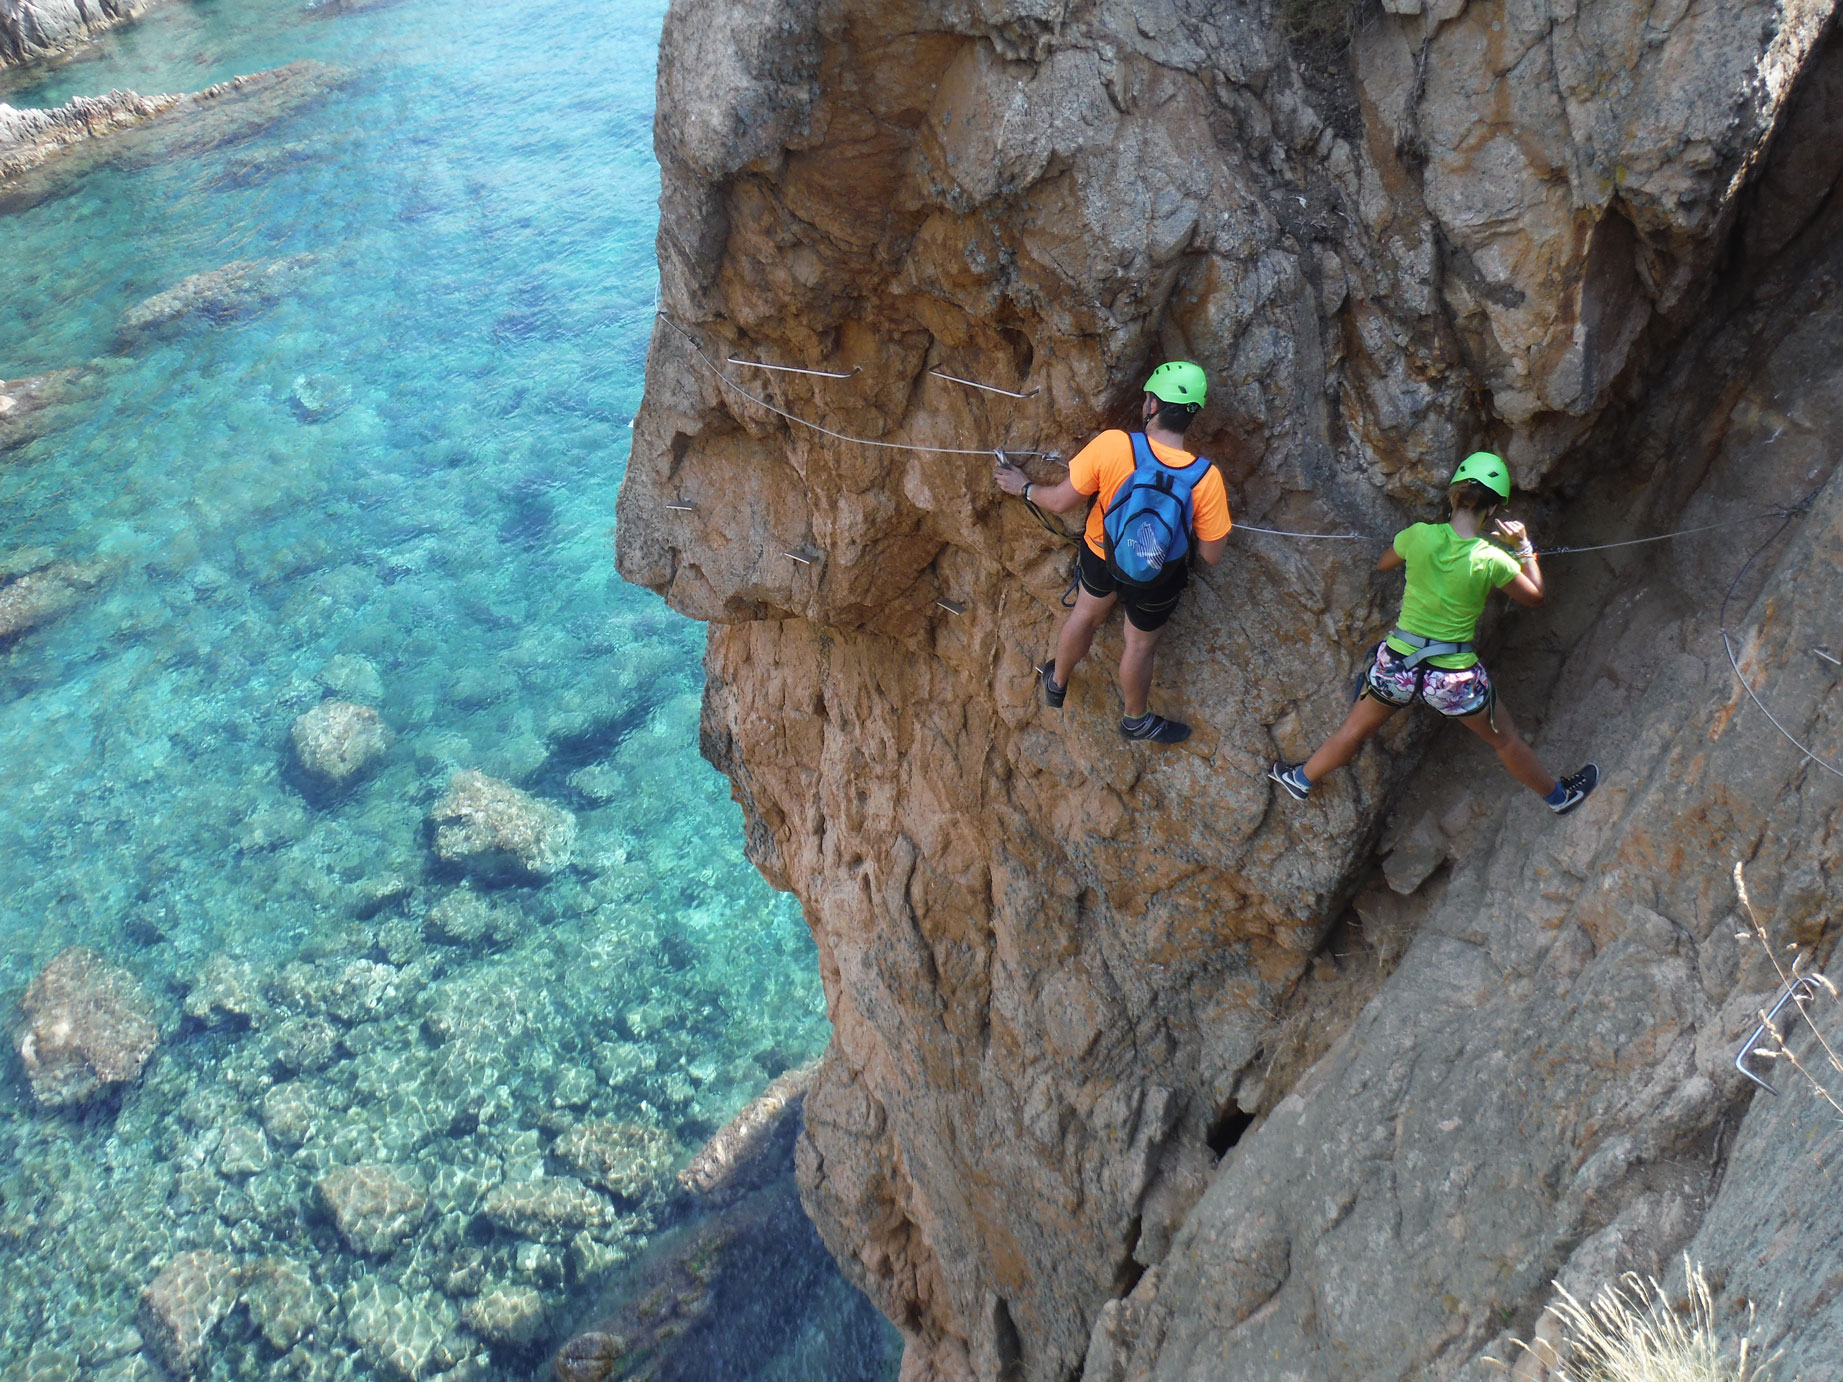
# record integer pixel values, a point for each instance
(1106, 463)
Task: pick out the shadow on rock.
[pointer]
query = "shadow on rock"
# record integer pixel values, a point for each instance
(742, 1287)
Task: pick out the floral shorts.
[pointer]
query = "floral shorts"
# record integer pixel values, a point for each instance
(1461, 693)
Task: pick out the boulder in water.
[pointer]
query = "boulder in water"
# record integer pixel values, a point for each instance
(632, 1160)
(24, 404)
(506, 1314)
(547, 1210)
(89, 1027)
(337, 740)
(183, 1304)
(492, 829)
(373, 1207)
(282, 1301)
(40, 595)
(235, 289)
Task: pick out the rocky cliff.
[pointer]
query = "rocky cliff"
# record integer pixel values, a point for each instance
(1136, 1071)
(39, 28)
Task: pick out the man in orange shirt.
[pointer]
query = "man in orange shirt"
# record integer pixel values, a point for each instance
(1154, 461)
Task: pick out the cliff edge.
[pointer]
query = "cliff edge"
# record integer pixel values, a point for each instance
(1138, 1072)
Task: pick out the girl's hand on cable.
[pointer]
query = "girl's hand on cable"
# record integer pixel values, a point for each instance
(1515, 536)
(1011, 479)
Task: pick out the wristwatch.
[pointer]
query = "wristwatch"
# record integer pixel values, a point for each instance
(1027, 488)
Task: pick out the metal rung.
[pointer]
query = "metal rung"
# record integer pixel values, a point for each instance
(682, 506)
(1827, 657)
(1800, 991)
(951, 606)
(795, 369)
(975, 384)
(806, 555)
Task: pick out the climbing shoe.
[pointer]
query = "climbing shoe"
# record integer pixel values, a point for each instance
(1155, 728)
(1292, 777)
(1573, 790)
(1052, 693)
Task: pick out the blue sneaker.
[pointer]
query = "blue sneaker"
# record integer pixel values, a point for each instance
(1292, 777)
(1575, 789)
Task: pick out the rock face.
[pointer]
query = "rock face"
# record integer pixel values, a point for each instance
(493, 830)
(336, 741)
(89, 1027)
(38, 28)
(1137, 1071)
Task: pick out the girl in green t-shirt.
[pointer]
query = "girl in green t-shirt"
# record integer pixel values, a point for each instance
(1428, 655)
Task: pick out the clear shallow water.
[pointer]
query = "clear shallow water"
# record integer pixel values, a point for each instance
(390, 475)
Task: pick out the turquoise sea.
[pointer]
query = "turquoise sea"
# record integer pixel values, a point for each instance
(379, 466)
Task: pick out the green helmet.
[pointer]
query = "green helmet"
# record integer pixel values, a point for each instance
(1178, 381)
(1486, 468)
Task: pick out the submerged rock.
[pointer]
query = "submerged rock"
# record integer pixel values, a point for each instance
(336, 741)
(290, 1113)
(373, 1207)
(460, 918)
(39, 596)
(183, 1304)
(747, 1143)
(89, 1027)
(25, 404)
(632, 1160)
(234, 289)
(394, 1331)
(550, 1209)
(318, 397)
(591, 1356)
(225, 993)
(505, 1314)
(492, 829)
(282, 1300)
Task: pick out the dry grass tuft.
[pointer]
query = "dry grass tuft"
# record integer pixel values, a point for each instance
(1775, 1047)
(1630, 1332)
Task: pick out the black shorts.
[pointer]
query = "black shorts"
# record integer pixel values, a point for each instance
(1146, 610)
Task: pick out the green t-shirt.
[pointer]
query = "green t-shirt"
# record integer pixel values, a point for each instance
(1448, 579)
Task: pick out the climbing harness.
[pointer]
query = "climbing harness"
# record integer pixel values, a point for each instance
(1800, 990)
(1425, 648)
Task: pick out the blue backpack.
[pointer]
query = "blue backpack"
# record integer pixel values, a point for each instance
(1149, 522)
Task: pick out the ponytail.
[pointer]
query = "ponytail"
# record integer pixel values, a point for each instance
(1473, 497)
